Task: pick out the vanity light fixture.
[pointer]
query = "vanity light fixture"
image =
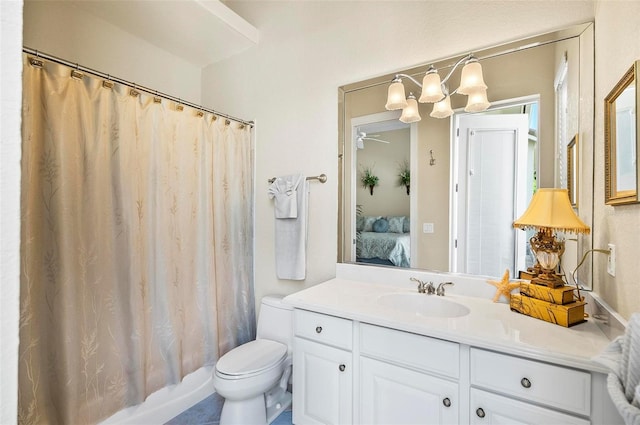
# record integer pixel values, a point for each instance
(550, 211)
(435, 90)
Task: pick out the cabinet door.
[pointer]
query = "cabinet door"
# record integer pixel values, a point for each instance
(322, 384)
(488, 408)
(395, 395)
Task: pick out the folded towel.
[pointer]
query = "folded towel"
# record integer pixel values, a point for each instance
(629, 412)
(291, 234)
(622, 357)
(284, 190)
(629, 371)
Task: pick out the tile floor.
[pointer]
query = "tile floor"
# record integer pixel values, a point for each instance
(207, 412)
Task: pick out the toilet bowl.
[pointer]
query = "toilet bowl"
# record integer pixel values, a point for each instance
(253, 378)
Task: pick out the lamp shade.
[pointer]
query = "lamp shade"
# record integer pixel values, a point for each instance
(551, 208)
(410, 113)
(395, 96)
(471, 78)
(477, 101)
(431, 87)
(442, 109)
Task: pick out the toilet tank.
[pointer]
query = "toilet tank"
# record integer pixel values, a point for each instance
(275, 320)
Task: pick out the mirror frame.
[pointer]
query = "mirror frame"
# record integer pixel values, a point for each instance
(586, 120)
(613, 196)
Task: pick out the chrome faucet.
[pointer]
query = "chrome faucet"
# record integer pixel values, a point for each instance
(424, 287)
(440, 290)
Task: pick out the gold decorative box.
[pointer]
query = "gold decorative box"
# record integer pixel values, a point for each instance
(561, 295)
(563, 315)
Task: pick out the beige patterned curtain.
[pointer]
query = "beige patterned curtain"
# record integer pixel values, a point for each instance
(136, 245)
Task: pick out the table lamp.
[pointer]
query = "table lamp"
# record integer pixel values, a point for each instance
(550, 211)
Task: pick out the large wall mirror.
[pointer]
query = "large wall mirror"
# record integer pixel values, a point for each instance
(469, 176)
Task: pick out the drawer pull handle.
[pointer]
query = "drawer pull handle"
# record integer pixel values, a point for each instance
(446, 402)
(525, 383)
(480, 412)
(318, 329)
(342, 367)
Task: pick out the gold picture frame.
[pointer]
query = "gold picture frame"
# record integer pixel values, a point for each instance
(621, 145)
(572, 171)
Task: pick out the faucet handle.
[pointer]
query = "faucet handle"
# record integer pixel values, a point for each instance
(424, 287)
(440, 290)
(421, 284)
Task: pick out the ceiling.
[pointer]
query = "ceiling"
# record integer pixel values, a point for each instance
(199, 31)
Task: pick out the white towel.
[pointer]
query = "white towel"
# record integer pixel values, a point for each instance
(284, 190)
(291, 234)
(622, 356)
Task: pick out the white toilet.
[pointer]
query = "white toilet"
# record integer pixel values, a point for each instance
(253, 377)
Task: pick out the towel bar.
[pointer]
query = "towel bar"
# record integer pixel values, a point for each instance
(322, 178)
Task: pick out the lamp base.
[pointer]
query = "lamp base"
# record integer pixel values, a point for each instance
(550, 280)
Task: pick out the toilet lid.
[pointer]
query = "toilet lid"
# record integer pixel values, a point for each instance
(252, 357)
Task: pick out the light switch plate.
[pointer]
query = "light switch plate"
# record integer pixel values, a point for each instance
(427, 227)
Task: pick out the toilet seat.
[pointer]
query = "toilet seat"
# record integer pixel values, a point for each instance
(251, 359)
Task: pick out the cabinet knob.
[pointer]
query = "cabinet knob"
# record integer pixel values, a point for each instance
(480, 412)
(446, 402)
(525, 383)
(318, 329)
(342, 367)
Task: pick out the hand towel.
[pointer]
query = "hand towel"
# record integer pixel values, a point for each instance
(284, 190)
(622, 356)
(291, 234)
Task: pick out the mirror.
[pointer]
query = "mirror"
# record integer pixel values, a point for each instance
(534, 78)
(621, 141)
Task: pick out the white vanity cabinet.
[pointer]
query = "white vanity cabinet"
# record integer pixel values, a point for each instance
(543, 390)
(407, 378)
(358, 360)
(322, 369)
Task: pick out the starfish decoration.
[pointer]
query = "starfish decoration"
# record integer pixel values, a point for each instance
(504, 287)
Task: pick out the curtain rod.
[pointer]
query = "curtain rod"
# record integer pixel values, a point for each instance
(74, 65)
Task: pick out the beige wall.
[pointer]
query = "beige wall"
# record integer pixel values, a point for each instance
(617, 34)
(61, 29)
(388, 198)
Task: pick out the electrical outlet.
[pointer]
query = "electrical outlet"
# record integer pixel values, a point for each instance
(427, 227)
(611, 260)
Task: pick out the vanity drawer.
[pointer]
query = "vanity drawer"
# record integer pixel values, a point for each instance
(416, 351)
(555, 386)
(326, 329)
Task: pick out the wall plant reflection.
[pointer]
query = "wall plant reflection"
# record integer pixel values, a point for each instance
(529, 68)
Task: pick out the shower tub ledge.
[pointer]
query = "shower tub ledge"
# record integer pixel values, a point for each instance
(168, 402)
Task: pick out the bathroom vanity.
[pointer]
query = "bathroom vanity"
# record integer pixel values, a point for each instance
(381, 353)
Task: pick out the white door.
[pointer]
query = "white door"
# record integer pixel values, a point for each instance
(395, 395)
(322, 387)
(490, 171)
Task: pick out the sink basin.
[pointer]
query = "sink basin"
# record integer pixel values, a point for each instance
(423, 305)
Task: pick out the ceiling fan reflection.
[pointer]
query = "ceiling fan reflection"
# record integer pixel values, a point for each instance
(362, 136)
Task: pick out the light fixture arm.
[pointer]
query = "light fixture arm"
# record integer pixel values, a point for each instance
(398, 77)
(455, 66)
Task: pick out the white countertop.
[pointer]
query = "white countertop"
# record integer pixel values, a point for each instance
(488, 325)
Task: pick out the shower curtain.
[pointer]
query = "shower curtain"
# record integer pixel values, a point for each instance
(136, 245)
